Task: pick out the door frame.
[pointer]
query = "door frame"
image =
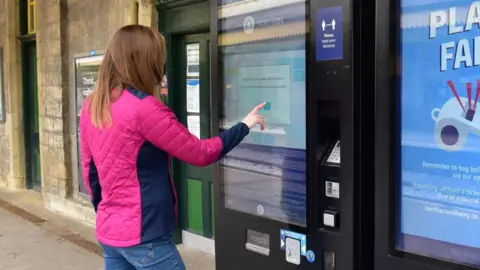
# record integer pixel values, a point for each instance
(172, 28)
(187, 172)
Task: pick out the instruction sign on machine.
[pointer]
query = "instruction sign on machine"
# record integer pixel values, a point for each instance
(193, 60)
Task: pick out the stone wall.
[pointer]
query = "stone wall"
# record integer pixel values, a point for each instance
(12, 165)
(4, 139)
(65, 28)
(89, 25)
(69, 28)
(2, 22)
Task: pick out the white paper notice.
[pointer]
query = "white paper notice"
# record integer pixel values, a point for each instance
(193, 60)
(193, 123)
(193, 95)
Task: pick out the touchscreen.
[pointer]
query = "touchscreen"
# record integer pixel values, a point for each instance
(439, 182)
(266, 174)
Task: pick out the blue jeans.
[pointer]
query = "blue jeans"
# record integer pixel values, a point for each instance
(157, 254)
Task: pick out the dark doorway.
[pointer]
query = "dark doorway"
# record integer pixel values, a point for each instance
(189, 97)
(30, 115)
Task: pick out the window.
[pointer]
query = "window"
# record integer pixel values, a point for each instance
(32, 18)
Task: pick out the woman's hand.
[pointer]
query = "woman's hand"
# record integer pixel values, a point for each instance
(253, 118)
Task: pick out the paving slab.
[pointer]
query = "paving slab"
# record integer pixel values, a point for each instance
(24, 246)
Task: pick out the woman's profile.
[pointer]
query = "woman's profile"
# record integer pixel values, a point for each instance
(128, 137)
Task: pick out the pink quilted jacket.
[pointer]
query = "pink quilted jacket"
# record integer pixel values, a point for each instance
(126, 166)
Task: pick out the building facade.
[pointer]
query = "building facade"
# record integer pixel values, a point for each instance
(49, 52)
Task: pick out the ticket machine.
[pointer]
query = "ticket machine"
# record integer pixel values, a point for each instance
(298, 195)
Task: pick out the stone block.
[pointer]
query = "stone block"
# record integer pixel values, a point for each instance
(53, 110)
(51, 95)
(52, 124)
(49, 47)
(78, 30)
(50, 71)
(51, 31)
(49, 11)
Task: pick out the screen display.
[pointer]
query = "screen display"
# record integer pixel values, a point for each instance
(439, 183)
(266, 174)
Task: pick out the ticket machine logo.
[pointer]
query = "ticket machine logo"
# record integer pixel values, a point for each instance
(248, 24)
(457, 119)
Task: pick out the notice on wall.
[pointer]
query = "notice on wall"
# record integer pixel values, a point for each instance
(440, 131)
(193, 124)
(329, 43)
(193, 60)
(86, 73)
(193, 95)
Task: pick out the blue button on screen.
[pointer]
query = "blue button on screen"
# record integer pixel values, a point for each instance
(267, 107)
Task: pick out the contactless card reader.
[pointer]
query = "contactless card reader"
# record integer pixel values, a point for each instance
(292, 251)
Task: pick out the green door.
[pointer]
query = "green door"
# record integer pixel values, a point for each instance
(189, 96)
(30, 108)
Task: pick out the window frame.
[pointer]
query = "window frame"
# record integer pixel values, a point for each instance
(31, 5)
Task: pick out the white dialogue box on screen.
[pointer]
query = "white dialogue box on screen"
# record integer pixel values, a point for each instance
(269, 84)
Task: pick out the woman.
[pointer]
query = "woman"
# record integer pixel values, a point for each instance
(127, 140)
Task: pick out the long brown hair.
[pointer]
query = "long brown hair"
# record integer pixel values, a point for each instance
(134, 58)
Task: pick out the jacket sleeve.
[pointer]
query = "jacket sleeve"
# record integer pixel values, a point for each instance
(89, 170)
(158, 124)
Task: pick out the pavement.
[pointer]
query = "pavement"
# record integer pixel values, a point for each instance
(24, 246)
(37, 239)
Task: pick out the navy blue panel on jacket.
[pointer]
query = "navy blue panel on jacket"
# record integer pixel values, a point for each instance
(232, 137)
(157, 195)
(94, 185)
(156, 190)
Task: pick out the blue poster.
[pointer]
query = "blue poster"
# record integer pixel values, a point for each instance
(440, 130)
(329, 43)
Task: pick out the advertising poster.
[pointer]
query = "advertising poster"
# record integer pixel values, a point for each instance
(86, 74)
(440, 129)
